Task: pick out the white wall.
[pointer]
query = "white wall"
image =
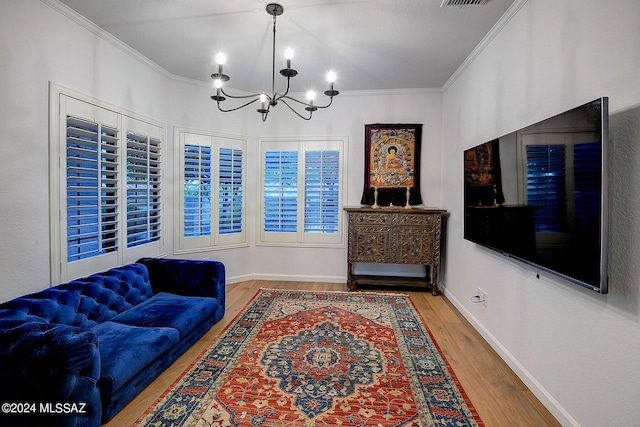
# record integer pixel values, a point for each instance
(38, 45)
(578, 350)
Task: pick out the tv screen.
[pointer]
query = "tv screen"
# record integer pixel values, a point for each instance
(539, 194)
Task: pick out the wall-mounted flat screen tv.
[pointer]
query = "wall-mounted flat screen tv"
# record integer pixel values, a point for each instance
(539, 194)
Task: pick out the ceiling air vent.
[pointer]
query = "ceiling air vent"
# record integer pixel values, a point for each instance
(462, 2)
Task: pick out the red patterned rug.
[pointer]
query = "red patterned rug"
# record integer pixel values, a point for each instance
(311, 359)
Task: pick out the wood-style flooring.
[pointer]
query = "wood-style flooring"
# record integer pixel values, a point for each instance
(498, 395)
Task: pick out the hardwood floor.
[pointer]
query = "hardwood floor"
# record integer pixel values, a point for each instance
(498, 395)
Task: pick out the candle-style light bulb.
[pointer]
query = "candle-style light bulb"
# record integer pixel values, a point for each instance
(263, 100)
(331, 77)
(311, 95)
(221, 58)
(288, 54)
(217, 83)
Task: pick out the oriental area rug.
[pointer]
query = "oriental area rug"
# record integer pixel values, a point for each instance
(311, 359)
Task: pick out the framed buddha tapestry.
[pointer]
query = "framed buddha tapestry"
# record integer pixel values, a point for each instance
(392, 164)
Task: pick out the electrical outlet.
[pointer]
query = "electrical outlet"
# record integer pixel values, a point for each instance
(483, 297)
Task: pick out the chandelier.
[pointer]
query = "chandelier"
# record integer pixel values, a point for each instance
(271, 100)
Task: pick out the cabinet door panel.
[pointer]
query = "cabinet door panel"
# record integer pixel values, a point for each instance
(414, 246)
(368, 244)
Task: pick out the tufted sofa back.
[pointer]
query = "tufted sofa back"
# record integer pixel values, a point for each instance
(86, 301)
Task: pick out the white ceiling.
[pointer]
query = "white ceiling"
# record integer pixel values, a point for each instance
(371, 44)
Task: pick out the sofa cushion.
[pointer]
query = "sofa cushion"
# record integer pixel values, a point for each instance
(86, 301)
(52, 305)
(169, 310)
(106, 294)
(125, 350)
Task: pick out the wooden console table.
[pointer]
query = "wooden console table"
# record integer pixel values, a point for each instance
(394, 236)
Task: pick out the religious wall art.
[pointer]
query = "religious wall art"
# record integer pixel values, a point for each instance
(392, 164)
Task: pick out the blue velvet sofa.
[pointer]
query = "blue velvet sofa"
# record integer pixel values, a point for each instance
(77, 353)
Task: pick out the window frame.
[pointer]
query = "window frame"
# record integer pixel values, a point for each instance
(64, 102)
(215, 240)
(300, 238)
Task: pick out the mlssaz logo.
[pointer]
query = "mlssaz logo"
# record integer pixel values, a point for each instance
(63, 408)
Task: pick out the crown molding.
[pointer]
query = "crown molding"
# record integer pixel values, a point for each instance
(117, 43)
(66, 11)
(486, 40)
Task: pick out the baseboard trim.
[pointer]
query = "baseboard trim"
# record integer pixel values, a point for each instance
(287, 278)
(536, 388)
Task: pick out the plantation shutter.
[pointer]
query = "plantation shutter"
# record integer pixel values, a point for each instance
(230, 191)
(322, 191)
(546, 186)
(302, 192)
(92, 189)
(281, 191)
(104, 179)
(210, 189)
(143, 189)
(197, 190)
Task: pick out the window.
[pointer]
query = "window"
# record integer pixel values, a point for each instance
(197, 190)
(92, 188)
(105, 180)
(143, 189)
(230, 187)
(301, 192)
(281, 191)
(322, 191)
(210, 191)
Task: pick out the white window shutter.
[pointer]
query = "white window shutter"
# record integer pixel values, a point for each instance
(280, 191)
(197, 190)
(211, 187)
(105, 184)
(143, 189)
(302, 191)
(322, 191)
(92, 189)
(230, 191)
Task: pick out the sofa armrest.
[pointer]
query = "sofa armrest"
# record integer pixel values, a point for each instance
(204, 278)
(42, 363)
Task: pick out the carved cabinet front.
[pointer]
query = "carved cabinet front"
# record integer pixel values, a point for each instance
(396, 236)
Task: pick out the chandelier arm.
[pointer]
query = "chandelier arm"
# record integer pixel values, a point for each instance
(253, 95)
(292, 109)
(277, 96)
(273, 9)
(237, 108)
(306, 104)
